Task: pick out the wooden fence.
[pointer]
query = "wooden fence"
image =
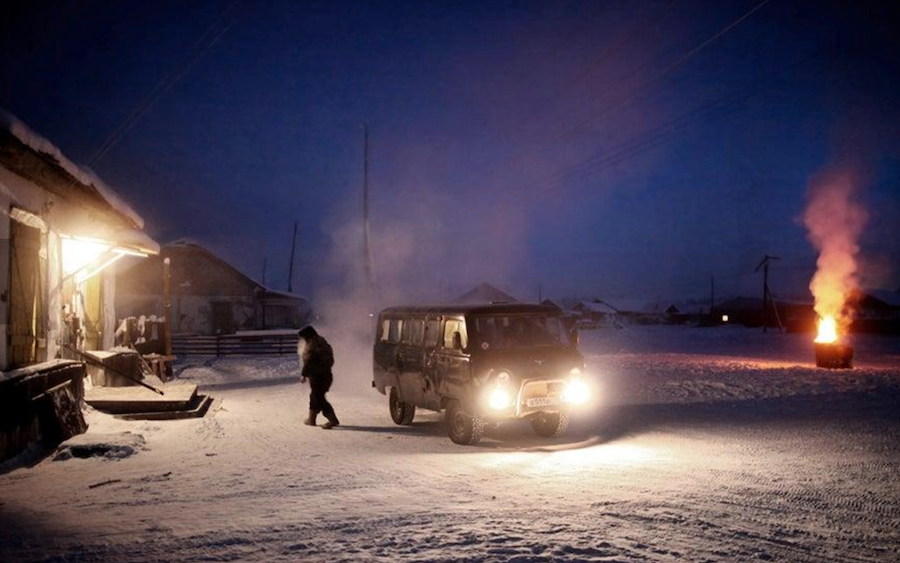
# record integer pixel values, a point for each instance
(234, 345)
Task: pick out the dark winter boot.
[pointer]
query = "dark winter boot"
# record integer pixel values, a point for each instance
(311, 419)
(332, 419)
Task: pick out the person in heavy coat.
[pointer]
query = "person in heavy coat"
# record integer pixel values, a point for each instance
(317, 358)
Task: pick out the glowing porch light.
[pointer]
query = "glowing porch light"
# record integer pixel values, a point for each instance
(724, 318)
(77, 253)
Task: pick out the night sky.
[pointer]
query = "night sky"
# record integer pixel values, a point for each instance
(626, 149)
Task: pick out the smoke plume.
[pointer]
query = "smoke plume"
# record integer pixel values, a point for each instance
(834, 220)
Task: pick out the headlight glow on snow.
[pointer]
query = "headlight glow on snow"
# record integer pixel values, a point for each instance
(577, 392)
(499, 398)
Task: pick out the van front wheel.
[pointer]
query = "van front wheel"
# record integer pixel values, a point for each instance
(401, 413)
(550, 425)
(464, 429)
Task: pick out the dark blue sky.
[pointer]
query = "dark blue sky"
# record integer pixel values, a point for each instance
(597, 148)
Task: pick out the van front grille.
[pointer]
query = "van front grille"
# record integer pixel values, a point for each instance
(535, 389)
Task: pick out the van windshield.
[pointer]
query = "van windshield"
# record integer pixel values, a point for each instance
(517, 331)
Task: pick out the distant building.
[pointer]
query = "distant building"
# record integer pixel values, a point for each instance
(552, 303)
(637, 311)
(876, 311)
(485, 293)
(596, 313)
(794, 315)
(209, 295)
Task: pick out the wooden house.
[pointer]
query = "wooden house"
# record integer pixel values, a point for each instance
(62, 234)
(63, 231)
(209, 296)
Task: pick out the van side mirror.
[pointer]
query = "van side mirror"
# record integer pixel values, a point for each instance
(573, 334)
(457, 341)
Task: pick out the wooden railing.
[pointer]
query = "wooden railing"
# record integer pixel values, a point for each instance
(234, 345)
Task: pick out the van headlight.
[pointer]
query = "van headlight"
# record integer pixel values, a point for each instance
(499, 398)
(577, 392)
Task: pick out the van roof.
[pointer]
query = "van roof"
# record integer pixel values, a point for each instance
(472, 309)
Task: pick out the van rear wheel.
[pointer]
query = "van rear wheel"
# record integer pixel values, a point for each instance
(401, 413)
(550, 424)
(464, 428)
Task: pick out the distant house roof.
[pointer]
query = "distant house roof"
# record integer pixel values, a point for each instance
(886, 296)
(485, 293)
(551, 303)
(595, 306)
(31, 156)
(743, 303)
(135, 279)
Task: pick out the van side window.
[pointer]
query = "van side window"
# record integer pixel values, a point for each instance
(396, 329)
(451, 326)
(416, 332)
(404, 333)
(385, 329)
(432, 333)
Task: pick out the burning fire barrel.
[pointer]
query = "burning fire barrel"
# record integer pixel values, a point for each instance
(831, 353)
(834, 355)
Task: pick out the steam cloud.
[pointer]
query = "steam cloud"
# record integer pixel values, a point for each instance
(835, 221)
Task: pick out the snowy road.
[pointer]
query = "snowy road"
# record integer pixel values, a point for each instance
(691, 457)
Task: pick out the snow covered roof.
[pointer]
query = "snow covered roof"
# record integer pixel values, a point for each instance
(189, 243)
(637, 306)
(285, 294)
(83, 175)
(892, 298)
(596, 307)
(484, 293)
(551, 303)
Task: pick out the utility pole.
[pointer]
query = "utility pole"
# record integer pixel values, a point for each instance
(367, 251)
(712, 294)
(540, 293)
(291, 266)
(264, 271)
(167, 304)
(764, 264)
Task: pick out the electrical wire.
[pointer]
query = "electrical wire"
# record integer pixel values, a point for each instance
(201, 47)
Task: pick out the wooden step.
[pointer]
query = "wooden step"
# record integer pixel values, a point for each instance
(118, 400)
(197, 409)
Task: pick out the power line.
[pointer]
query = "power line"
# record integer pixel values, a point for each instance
(630, 98)
(216, 31)
(604, 55)
(652, 138)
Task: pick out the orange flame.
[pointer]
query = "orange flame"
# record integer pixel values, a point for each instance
(827, 330)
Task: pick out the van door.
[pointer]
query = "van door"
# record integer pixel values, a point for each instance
(410, 364)
(433, 339)
(382, 359)
(452, 364)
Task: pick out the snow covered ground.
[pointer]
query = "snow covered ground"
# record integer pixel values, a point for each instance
(707, 445)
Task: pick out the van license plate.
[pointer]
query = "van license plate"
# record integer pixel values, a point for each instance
(542, 402)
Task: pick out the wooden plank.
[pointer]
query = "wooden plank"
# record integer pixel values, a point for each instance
(197, 409)
(139, 399)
